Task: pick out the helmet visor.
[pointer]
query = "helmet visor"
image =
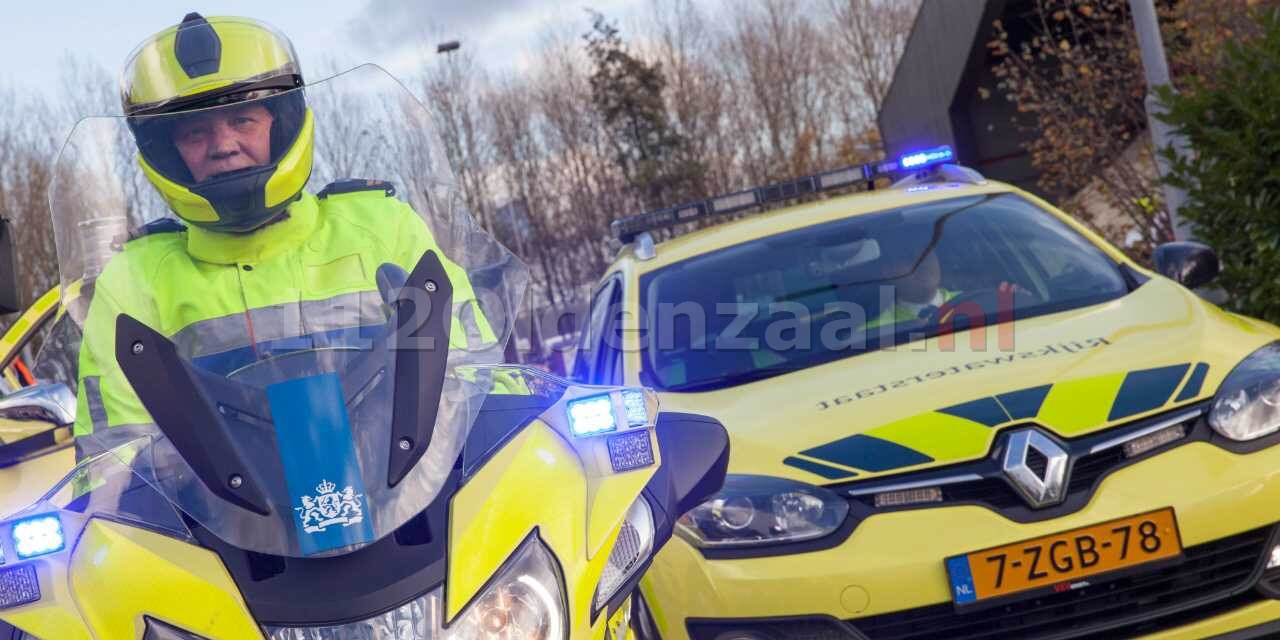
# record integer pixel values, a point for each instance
(254, 128)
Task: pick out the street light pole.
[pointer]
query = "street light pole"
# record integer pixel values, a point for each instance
(1162, 135)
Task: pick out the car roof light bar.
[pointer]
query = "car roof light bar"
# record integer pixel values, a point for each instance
(627, 229)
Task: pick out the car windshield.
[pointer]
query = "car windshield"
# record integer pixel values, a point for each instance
(803, 298)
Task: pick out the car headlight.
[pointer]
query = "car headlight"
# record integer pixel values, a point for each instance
(633, 547)
(1247, 406)
(752, 511)
(524, 601)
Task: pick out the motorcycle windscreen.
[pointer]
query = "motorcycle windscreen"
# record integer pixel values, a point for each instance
(307, 385)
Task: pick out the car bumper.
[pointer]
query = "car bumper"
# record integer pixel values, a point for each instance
(893, 562)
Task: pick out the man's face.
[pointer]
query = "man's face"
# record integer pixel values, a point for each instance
(224, 140)
(921, 285)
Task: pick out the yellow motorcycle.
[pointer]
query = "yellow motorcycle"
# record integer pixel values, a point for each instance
(365, 478)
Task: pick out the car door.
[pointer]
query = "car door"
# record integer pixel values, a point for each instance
(37, 406)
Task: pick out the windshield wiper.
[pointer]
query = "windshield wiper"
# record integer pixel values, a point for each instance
(732, 379)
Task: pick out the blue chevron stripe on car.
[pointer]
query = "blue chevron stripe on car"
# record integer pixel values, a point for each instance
(1146, 390)
(869, 453)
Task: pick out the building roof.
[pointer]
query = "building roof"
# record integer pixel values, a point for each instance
(947, 40)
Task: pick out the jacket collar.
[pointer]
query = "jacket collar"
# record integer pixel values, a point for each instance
(256, 246)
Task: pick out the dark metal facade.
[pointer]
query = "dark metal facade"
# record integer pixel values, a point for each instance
(937, 91)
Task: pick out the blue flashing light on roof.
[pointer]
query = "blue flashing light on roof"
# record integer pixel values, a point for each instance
(926, 158)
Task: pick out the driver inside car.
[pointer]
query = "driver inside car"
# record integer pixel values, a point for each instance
(918, 293)
(919, 296)
(253, 266)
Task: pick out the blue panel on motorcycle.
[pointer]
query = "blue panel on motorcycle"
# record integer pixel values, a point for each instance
(637, 413)
(630, 451)
(320, 463)
(18, 586)
(37, 536)
(592, 416)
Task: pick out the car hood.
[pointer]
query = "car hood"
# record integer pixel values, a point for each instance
(943, 400)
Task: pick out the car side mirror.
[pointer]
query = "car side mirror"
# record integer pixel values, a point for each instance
(8, 270)
(52, 402)
(1191, 263)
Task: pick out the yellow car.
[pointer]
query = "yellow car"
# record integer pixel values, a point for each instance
(35, 446)
(955, 412)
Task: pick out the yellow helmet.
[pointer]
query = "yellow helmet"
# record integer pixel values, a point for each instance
(203, 65)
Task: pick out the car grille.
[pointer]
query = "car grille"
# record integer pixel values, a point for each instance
(1214, 578)
(1093, 457)
(997, 494)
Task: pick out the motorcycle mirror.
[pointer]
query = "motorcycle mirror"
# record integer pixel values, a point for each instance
(53, 403)
(9, 302)
(695, 455)
(390, 278)
(1190, 263)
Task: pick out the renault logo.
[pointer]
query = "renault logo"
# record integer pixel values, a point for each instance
(1036, 467)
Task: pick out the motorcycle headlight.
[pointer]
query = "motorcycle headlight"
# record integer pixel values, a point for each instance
(633, 547)
(753, 511)
(524, 601)
(1247, 405)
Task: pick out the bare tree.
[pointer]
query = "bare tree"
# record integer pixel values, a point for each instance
(696, 89)
(26, 147)
(867, 40)
(776, 64)
(453, 89)
(1078, 78)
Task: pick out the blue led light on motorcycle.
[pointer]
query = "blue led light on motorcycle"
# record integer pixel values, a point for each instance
(631, 450)
(634, 404)
(37, 536)
(18, 586)
(592, 415)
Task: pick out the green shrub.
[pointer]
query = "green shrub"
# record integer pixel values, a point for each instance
(1231, 120)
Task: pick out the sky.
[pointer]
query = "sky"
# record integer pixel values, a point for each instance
(502, 34)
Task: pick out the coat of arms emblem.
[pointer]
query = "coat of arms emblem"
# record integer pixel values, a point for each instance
(330, 507)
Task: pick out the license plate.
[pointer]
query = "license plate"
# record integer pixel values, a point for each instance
(1061, 560)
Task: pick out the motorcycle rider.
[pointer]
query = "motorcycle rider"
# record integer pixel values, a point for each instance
(225, 135)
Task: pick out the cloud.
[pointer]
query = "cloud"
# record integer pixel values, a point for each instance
(501, 35)
(389, 24)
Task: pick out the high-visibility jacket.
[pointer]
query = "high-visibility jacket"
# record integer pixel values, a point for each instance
(901, 313)
(227, 300)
